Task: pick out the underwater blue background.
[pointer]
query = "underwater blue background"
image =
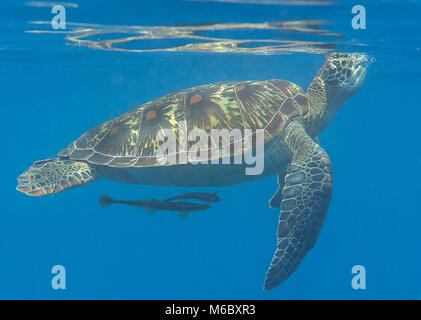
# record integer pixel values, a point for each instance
(51, 93)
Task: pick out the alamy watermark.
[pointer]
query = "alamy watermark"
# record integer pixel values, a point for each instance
(58, 282)
(359, 280)
(359, 20)
(222, 146)
(59, 20)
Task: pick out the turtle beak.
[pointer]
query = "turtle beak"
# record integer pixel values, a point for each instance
(365, 60)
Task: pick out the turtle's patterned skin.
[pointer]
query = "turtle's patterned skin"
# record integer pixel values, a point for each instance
(59, 175)
(125, 149)
(130, 140)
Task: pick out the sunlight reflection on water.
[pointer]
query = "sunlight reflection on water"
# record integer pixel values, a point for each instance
(97, 37)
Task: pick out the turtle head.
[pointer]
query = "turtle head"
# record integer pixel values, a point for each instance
(341, 76)
(344, 73)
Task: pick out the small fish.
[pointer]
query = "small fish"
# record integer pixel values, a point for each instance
(201, 196)
(153, 205)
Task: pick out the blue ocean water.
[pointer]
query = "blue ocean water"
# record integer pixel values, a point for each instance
(51, 93)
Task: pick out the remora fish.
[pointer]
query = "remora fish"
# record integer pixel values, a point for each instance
(153, 205)
(201, 196)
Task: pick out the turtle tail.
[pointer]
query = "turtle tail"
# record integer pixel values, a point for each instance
(55, 175)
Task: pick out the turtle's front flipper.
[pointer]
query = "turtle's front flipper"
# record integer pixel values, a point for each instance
(305, 199)
(275, 201)
(54, 175)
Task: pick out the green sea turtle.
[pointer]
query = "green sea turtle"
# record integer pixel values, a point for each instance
(124, 149)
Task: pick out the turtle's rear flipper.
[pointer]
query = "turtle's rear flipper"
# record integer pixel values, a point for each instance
(54, 175)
